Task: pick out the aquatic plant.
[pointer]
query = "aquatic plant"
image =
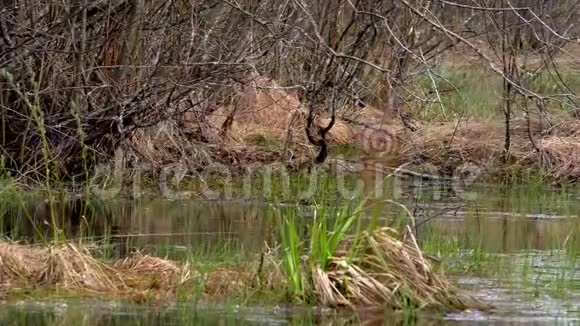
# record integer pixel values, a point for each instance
(344, 265)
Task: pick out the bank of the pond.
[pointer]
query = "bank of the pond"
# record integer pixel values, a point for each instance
(540, 148)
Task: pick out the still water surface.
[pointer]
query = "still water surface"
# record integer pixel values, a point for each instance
(512, 249)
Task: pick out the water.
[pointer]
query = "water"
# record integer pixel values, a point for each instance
(513, 248)
(101, 313)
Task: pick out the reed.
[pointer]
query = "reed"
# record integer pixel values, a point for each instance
(345, 264)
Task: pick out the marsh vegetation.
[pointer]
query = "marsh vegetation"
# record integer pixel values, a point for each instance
(289, 161)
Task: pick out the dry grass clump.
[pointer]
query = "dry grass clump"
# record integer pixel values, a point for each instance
(385, 270)
(234, 135)
(378, 268)
(20, 264)
(153, 272)
(69, 267)
(72, 267)
(168, 144)
(138, 277)
(261, 122)
(561, 156)
(447, 143)
(264, 108)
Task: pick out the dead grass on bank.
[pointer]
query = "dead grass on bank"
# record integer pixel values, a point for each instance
(69, 267)
(264, 123)
(266, 109)
(167, 145)
(387, 271)
(554, 152)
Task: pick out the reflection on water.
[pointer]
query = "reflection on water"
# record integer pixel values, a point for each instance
(139, 225)
(65, 313)
(506, 234)
(498, 222)
(504, 223)
(99, 313)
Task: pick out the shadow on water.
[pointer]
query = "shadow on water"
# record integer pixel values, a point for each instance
(523, 240)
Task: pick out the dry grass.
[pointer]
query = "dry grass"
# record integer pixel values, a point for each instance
(69, 267)
(267, 126)
(265, 108)
(168, 144)
(554, 151)
(20, 264)
(387, 270)
(257, 111)
(261, 123)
